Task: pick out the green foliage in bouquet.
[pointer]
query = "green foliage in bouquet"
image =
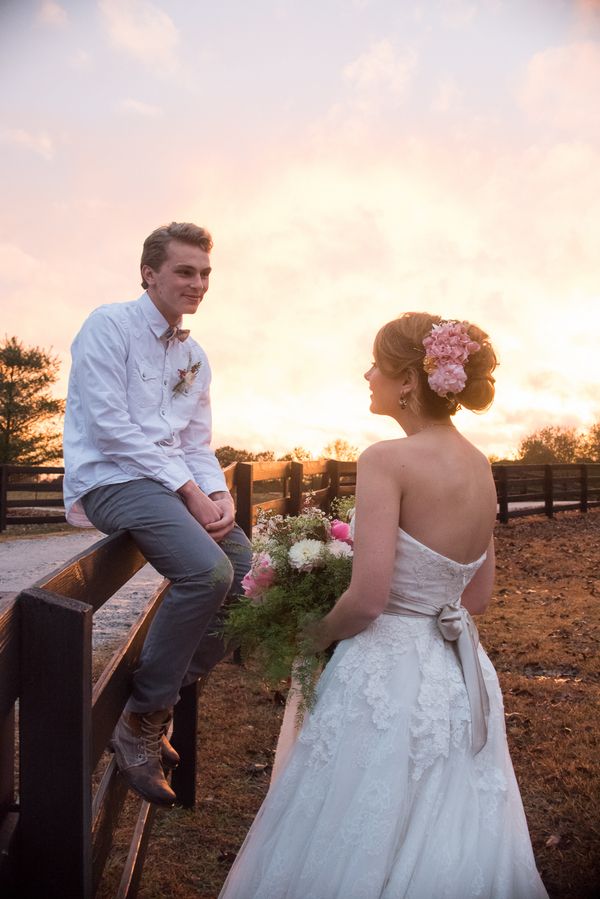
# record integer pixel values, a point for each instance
(342, 507)
(300, 566)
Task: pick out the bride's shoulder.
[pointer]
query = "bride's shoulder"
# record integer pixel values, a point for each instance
(383, 451)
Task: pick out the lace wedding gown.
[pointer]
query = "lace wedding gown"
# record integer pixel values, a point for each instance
(384, 794)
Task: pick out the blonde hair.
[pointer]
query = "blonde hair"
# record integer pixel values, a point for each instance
(154, 251)
(399, 345)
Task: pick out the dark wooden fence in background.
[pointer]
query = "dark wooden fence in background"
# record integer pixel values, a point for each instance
(28, 492)
(545, 489)
(32, 495)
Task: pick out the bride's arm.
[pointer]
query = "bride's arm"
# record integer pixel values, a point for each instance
(378, 495)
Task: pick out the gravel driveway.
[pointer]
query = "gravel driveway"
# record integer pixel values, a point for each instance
(24, 560)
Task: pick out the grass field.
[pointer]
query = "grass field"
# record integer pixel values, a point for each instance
(542, 633)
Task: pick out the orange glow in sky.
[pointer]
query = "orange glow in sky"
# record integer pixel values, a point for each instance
(353, 159)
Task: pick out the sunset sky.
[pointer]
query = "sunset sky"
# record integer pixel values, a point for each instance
(353, 159)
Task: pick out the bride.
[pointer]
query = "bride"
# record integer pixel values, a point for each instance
(400, 784)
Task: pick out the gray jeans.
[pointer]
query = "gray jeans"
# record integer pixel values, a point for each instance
(180, 645)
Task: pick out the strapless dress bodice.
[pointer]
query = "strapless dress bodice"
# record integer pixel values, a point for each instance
(422, 575)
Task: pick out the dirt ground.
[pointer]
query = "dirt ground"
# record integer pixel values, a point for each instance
(542, 632)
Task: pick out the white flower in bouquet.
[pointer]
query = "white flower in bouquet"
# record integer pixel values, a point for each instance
(306, 555)
(273, 523)
(339, 548)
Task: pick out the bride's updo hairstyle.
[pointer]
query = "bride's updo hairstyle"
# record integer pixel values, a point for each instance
(399, 345)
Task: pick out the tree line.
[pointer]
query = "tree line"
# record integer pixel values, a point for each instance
(30, 422)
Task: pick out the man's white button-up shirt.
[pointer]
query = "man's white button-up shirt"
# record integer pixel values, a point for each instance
(124, 419)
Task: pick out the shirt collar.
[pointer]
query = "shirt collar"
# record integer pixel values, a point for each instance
(156, 321)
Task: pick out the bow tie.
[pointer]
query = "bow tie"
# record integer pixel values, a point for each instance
(180, 333)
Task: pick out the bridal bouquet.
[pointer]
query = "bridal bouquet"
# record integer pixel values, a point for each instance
(300, 567)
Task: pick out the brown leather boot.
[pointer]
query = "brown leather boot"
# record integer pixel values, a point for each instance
(137, 743)
(169, 755)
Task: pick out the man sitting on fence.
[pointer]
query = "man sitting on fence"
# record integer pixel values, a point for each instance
(137, 457)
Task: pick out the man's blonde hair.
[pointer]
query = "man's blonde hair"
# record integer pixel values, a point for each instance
(154, 251)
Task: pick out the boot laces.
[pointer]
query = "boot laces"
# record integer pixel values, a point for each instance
(151, 734)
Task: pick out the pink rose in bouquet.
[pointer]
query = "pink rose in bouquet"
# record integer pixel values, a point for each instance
(341, 531)
(260, 576)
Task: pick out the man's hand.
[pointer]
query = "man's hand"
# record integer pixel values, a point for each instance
(224, 502)
(198, 504)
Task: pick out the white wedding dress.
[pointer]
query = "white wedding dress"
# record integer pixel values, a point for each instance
(383, 795)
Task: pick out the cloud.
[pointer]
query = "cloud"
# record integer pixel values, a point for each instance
(448, 95)
(587, 16)
(380, 68)
(146, 110)
(52, 13)
(141, 29)
(16, 266)
(81, 60)
(457, 13)
(41, 144)
(560, 88)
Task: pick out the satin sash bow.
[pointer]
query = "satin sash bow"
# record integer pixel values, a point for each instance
(456, 626)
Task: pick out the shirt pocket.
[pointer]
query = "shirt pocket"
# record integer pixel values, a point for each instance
(144, 385)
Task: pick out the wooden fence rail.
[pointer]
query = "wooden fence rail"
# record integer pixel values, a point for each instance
(282, 487)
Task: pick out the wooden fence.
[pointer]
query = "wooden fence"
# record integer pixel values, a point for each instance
(545, 489)
(27, 492)
(55, 842)
(281, 486)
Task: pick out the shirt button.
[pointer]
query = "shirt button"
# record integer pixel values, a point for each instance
(165, 383)
(162, 412)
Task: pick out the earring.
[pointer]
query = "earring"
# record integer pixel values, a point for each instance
(402, 402)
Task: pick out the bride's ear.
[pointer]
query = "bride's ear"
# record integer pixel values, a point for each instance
(408, 380)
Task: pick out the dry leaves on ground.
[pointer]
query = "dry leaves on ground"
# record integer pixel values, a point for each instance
(542, 633)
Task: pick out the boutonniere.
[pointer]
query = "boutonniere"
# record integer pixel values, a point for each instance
(187, 376)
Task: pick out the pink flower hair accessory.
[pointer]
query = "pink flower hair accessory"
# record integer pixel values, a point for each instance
(447, 349)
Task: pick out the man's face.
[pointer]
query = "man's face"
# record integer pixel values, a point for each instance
(178, 286)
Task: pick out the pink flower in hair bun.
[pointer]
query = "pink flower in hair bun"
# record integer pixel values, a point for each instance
(447, 379)
(447, 348)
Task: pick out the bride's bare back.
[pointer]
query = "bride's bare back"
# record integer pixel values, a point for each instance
(447, 493)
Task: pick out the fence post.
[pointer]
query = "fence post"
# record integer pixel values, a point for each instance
(502, 489)
(295, 504)
(333, 467)
(244, 497)
(185, 731)
(548, 491)
(9, 692)
(3, 496)
(55, 743)
(583, 495)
